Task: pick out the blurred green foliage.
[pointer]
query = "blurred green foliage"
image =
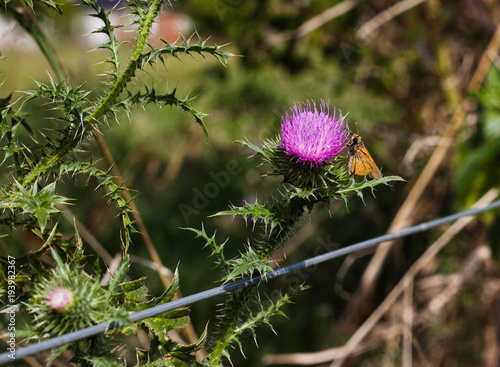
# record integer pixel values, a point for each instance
(482, 148)
(390, 85)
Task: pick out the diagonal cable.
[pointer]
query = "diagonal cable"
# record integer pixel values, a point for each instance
(189, 300)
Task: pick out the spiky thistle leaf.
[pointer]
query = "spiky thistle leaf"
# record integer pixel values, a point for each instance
(239, 319)
(113, 45)
(166, 99)
(217, 250)
(358, 187)
(248, 263)
(188, 47)
(33, 202)
(256, 213)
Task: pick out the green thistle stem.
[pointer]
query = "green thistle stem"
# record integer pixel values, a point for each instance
(125, 76)
(105, 104)
(291, 211)
(44, 165)
(227, 334)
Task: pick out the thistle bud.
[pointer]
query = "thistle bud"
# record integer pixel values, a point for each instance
(60, 299)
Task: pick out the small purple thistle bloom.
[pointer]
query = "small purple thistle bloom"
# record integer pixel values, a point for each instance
(60, 299)
(313, 136)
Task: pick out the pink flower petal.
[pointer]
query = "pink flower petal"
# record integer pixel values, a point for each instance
(313, 135)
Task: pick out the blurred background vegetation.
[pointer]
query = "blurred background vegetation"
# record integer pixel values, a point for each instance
(401, 73)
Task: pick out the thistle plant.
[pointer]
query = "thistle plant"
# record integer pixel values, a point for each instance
(55, 287)
(54, 290)
(68, 299)
(308, 156)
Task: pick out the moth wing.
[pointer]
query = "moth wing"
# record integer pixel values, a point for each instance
(370, 165)
(362, 164)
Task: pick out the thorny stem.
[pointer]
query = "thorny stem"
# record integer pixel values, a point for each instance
(233, 304)
(105, 104)
(100, 110)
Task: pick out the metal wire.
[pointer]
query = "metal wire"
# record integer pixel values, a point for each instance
(189, 300)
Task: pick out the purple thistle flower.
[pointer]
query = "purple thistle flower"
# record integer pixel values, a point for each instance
(60, 299)
(313, 136)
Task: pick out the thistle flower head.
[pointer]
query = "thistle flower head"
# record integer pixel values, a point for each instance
(59, 299)
(68, 299)
(312, 135)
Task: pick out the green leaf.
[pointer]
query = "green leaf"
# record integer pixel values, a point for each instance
(217, 250)
(166, 99)
(247, 264)
(41, 204)
(49, 3)
(167, 296)
(135, 290)
(52, 5)
(357, 187)
(29, 3)
(161, 325)
(256, 212)
(186, 46)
